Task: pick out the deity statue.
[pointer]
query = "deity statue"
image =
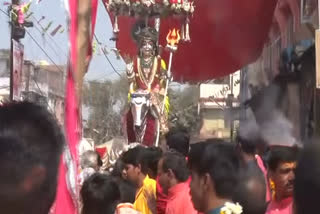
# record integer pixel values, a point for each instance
(148, 73)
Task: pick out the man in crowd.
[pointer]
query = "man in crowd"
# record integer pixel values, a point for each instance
(249, 151)
(251, 191)
(177, 140)
(282, 163)
(173, 175)
(100, 194)
(136, 171)
(31, 144)
(90, 162)
(214, 172)
(152, 157)
(307, 182)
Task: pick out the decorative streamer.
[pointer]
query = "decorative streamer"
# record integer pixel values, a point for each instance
(55, 31)
(47, 27)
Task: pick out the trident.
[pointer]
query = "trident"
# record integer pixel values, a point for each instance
(173, 39)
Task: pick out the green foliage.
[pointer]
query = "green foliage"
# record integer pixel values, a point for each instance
(106, 101)
(184, 108)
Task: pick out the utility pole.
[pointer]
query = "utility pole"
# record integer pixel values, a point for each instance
(12, 37)
(17, 32)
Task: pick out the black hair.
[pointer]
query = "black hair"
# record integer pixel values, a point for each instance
(127, 191)
(117, 168)
(100, 195)
(307, 180)
(247, 146)
(220, 161)
(245, 193)
(281, 154)
(151, 159)
(179, 140)
(29, 137)
(135, 157)
(177, 163)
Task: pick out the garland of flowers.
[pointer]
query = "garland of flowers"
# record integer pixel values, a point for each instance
(162, 7)
(231, 208)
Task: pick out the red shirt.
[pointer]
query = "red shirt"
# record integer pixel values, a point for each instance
(162, 199)
(179, 200)
(280, 207)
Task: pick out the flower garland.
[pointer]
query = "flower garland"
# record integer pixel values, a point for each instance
(231, 208)
(162, 7)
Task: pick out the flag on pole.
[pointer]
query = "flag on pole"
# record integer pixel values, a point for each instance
(67, 190)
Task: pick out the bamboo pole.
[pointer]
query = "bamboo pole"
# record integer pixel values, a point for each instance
(84, 20)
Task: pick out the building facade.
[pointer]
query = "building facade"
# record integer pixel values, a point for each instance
(219, 106)
(287, 62)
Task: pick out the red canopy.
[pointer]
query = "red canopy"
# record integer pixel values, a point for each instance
(225, 34)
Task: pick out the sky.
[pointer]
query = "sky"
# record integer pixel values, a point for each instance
(57, 47)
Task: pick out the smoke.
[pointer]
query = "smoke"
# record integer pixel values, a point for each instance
(269, 123)
(278, 130)
(249, 130)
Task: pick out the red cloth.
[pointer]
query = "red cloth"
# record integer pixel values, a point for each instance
(162, 199)
(150, 132)
(226, 35)
(280, 207)
(66, 203)
(179, 200)
(101, 151)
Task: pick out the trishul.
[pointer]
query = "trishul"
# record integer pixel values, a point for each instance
(173, 39)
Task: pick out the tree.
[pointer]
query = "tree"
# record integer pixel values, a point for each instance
(184, 108)
(106, 101)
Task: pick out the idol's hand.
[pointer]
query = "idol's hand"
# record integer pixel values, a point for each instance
(129, 69)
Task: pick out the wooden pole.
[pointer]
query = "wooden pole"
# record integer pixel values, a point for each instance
(83, 40)
(317, 86)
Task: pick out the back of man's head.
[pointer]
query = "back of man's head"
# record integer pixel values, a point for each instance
(177, 163)
(220, 161)
(151, 159)
(31, 143)
(247, 146)
(99, 194)
(251, 187)
(178, 140)
(307, 180)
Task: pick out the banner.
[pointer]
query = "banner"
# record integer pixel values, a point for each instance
(17, 63)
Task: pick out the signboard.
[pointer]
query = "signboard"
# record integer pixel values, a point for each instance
(17, 62)
(308, 7)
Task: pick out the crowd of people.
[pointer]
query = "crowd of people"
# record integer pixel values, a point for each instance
(209, 177)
